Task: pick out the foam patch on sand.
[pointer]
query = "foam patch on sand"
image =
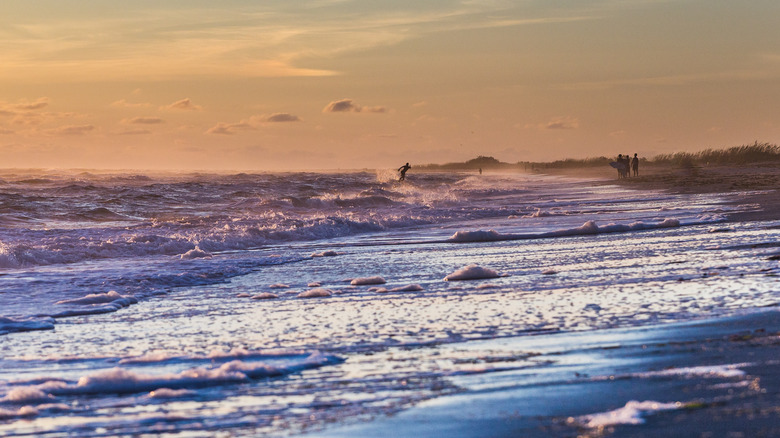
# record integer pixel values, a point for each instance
(216, 355)
(31, 411)
(477, 236)
(10, 325)
(121, 381)
(164, 393)
(326, 254)
(631, 413)
(95, 304)
(26, 394)
(732, 370)
(264, 296)
(367, 280)
(316, 293)
(472, 272)
(108, 297)
(588, 228)
(407, 288)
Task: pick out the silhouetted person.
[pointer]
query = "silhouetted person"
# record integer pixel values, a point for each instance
(480, 171)
(403, 170)
(619, 161)
(627, 161)
(635, 165)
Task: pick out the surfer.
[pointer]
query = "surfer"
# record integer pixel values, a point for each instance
(619, 165)
(403, 170)
(635, 165)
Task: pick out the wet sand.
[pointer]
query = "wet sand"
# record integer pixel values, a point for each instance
(758, 182)
(720, 376)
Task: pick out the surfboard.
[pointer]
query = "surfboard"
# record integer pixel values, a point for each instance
(620, 166)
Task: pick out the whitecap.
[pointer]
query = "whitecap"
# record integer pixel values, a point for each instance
(196, 253)
(631, 413)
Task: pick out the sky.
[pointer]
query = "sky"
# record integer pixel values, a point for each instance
(345, 84)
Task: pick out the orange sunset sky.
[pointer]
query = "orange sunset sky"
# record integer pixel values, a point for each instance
(319, 84)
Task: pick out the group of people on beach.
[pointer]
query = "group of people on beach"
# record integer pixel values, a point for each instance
(625, 165)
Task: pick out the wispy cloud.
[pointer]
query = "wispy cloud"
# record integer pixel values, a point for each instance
(134, 132)
(143, 121)
(349, 106)
(282, 117)
(254, 40)
(32, 106)
(252, 123)
(563, 123)
(125, 104)
(183, 105)
(229, 128)
(71, 130)
(10, 109)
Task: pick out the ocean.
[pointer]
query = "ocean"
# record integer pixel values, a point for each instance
(281, 304)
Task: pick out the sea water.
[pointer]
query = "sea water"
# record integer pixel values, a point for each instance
(281, 303)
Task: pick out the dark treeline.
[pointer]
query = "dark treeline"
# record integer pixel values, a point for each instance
(745, 154)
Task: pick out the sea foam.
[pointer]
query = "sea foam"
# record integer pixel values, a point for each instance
(472, 272)
(631, 413)
(10, 325)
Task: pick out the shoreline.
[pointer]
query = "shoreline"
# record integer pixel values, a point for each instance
(758, 182)
(709, 377)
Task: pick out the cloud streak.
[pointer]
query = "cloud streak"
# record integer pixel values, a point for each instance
(349, 106)
(182, 105)
(144, 121)
(253, 123)
(174, 42)
(71, 130)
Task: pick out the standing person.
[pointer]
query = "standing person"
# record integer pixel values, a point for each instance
(635, 165)
(627, 161)
(403, 170)
(619, 166)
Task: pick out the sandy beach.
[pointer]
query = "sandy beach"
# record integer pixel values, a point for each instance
(716, 377)
(709, 378)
